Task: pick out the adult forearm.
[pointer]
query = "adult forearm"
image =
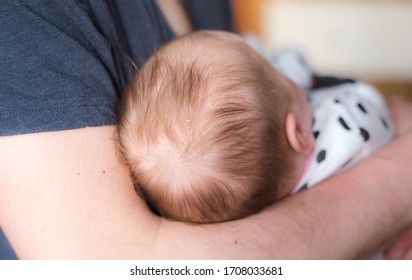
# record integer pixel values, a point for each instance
(66, 195)
(347, 216)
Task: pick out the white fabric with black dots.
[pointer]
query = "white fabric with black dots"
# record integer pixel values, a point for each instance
(350, 122)
(290, 62)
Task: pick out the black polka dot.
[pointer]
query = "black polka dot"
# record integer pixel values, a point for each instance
(313, 121)
(385, 124)
(360, 106)
(303, 187)
(337, 100)
(316, 134)
(343, 123)
(321, 156)
(364, 134)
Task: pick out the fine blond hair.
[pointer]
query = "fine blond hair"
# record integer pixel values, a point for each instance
(201, 127)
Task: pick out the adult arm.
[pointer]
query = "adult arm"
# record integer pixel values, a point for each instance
(401, 110)
(67, 195)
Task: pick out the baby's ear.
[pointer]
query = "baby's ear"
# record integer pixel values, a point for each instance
(299, 138)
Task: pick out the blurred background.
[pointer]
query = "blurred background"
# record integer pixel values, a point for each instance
(365, 39)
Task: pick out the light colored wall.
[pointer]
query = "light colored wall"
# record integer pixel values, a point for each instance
(370, 39)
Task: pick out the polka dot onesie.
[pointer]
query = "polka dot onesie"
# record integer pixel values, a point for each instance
(350, 122)
(350, 118)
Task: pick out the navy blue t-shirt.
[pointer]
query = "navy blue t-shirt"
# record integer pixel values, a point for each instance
(64, 64)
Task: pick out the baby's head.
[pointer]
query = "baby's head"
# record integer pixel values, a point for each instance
(204, 129)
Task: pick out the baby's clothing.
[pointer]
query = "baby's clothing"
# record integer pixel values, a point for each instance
(350, 122)
(290, 62)
(350, 118)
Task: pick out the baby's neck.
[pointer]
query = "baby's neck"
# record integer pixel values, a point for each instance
(304, 166)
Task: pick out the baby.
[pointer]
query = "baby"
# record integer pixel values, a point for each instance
(212, 132)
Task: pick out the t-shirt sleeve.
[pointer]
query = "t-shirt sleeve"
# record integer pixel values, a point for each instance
(56, 69)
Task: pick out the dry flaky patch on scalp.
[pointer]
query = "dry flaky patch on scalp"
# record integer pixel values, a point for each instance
(190, 131)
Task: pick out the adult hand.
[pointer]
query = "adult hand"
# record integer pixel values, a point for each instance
(401, 110)
(401, 249)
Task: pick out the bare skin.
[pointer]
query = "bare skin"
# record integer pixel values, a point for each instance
(401, 110)
(58, 203)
